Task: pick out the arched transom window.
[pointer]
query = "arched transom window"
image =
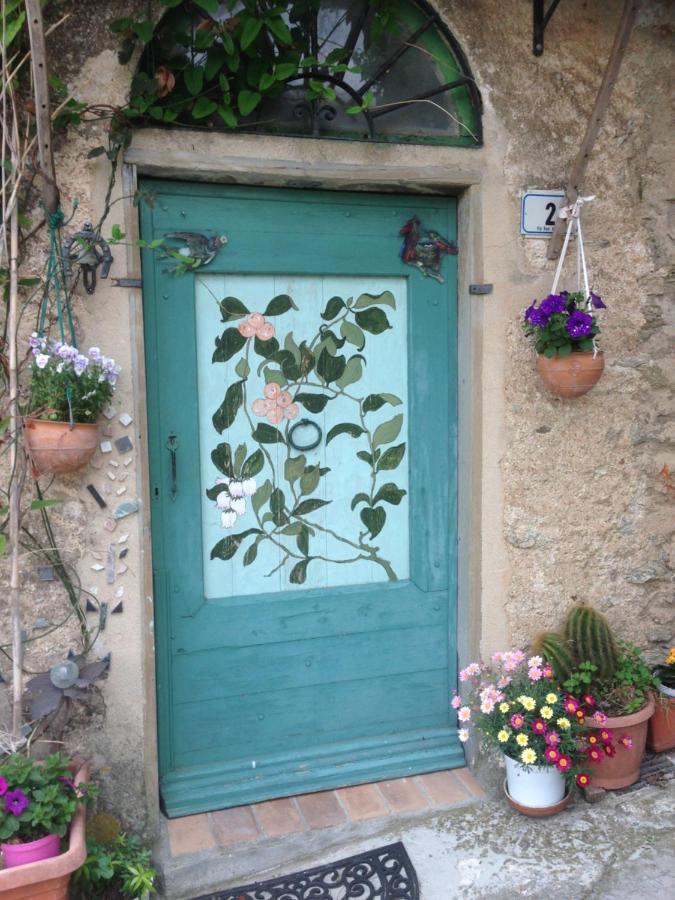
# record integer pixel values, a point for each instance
(384, 71)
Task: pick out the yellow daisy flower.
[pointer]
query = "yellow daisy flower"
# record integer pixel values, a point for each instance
(528, 756)
(528, 703)
(546, 712)
(551, 698)
(563, 723)
(522, 740)
(503, 736)
(504, 707)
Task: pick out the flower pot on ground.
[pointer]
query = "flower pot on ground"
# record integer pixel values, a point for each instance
(629, 733)
(68, 392)
(572, 375)
(534, 786)
(661, 731)
(48, 879)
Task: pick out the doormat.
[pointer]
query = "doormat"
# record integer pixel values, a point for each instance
(382, 874)
(655, 768)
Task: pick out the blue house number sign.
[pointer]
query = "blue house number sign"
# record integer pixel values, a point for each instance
(538, 211)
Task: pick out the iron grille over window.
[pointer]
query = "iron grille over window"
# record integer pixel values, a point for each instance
(383, 71)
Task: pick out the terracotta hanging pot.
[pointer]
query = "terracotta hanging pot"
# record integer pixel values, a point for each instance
(661, 733)
(57, 447)
(573, 375)
(623, 769)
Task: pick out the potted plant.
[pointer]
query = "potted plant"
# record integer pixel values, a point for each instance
(564, 329)
(615, 682)
(518, 707)
(661, 732)
(68, 392)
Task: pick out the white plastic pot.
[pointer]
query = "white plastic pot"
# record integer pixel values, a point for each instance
(534, 786)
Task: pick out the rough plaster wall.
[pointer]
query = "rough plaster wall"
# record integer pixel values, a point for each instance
(572, 502)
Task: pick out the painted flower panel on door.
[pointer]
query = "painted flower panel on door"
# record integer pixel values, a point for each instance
(303, 432)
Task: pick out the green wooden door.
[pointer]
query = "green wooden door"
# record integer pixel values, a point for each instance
(304, 595)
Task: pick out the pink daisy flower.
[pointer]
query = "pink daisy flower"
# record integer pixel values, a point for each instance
(552, 738)
(551, 755)
(534, 673)
(570, 705)
(538, 726)
(564, 763)
(599, 717)
(548, 671)
(456, 702)
(626, 741)
(517, 721)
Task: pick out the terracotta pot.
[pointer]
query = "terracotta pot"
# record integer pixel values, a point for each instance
(48, 879)
(661, 731)
(56, 448)
(571, 376)
(31, 851)
(623, 769)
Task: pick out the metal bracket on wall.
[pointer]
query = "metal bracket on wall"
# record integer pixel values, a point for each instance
(480, 288)
(127, 282)
(540, 19)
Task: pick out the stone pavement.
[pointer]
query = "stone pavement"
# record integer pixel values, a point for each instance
(468, 845)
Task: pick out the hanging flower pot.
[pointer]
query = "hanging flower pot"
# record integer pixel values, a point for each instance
(572, 375)
(57, 448)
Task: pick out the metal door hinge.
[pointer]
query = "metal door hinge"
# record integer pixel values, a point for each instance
(480, 288)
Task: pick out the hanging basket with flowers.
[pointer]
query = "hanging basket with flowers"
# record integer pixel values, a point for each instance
(68, 392)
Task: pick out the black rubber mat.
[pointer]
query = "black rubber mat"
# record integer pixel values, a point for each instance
(382, 874)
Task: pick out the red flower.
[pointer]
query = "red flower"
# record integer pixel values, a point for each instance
(609, 749)
(547, 671)
(583, 780)
(539, 726)
(570, 705)
(605, 735)
(594, 754)
(592, 739)
(589, 699)
(564, 763)
(551, 755)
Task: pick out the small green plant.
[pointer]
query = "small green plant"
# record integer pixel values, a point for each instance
(117, 869)
(38, 798)
(626, 691)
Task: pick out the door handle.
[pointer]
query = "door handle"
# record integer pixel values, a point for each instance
(172, 447)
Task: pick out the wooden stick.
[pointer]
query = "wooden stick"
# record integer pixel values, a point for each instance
(50, 191)
(578, 171)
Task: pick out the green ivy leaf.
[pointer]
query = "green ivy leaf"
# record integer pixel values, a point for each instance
(221, 458)
(266, 434)
(282, 71)
(279, 305)
(250, 31)
(310, 480)
(373, 320)
(353, 334)
(228, 116)
(194, 78)
(261, 496)
(359, 498)
(330, 368)
(313, 403)
(373, 402)
(253, 465)
(373, 519)
(352, 373)
(226, 413)
(203, 108)
(333, 307)
(209, 6)
(387, 431)
(229, 343)
(391, 457)
(386, 298)
(344, 428)
(144, 31)
(294, 468)
(299, 571)
(227, 547)
(309, 506)
(215, 61)
(279, 29)
(231, 308)
(247, 101)
(390, 493)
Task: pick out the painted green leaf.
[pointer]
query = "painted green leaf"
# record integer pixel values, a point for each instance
(353, 372)
(373, 320)
(227, 547)
(294, 528)
(373, 402)
(231, 308)
(253, 465)
(310, 480)
(388, 431)
(251, 554)
(330, 368)
(333, 307)
(365, 456)
(308, 506)
(279, 305)
(229, 343)
(213, 492)
(266, 348)
(239, 457)
(289, 366)
(344, 428)
(221, 458)
(352, 333)
(274, 375)
(266, 434)
(391, 457)
(373, 519)
(277, 503)
(330, 341)
(359, 498)
(250, 31)
(386, 298)
(313, 403)
(226, 413)
(307, 359)
(247, 101)
(292, 347)
(302, 540)
(294, 467)
(194, 78)
(242, 368)
(299, 571)
(261, 496)
(390, 493)
(203, 107)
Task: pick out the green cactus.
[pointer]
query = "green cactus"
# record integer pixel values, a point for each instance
(590, 638)
(555, 650)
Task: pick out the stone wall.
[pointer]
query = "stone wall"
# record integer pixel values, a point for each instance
(573, 505)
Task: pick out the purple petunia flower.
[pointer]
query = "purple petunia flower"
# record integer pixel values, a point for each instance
(554, 303)
(534, 316)
(596, 301)
(3, 786)
(579, 324)
(15, 802)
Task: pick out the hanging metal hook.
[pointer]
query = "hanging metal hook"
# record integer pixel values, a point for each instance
(172, 447)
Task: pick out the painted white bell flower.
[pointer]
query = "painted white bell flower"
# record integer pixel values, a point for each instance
(236, 489)
(227, 519)
(249, 487)
(238, 505)
(223, 500)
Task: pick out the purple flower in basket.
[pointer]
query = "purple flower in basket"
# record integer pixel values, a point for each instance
(596, 301)
(534, 316)
(579, 324)
(554, 303)
(15, 802)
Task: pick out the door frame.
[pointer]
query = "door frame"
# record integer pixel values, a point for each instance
(210, 158)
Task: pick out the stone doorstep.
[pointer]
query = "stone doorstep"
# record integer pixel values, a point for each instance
(201, 853)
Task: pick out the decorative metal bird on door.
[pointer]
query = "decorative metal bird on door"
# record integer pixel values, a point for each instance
(199, 251)
(425, 248)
